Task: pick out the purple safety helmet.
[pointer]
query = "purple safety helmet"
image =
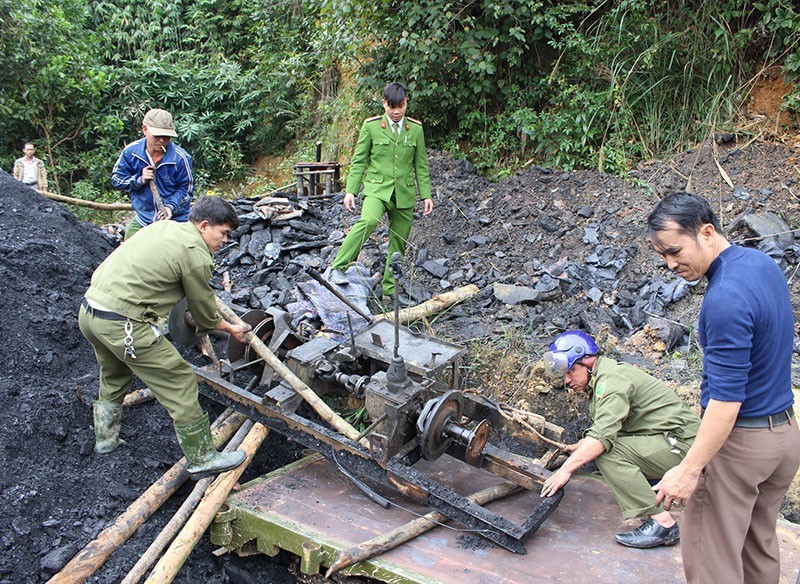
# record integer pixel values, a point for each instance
(568, 348)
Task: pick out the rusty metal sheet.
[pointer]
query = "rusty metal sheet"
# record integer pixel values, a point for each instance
(576, 544)
(423, 355)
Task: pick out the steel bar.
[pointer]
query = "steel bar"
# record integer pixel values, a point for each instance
(338, 293)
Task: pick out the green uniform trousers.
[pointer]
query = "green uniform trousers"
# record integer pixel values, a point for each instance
(633, 460)
(372, 210)
(158, 364)
(131, 229)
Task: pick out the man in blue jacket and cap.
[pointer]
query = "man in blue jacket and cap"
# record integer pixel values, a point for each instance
(155, 158)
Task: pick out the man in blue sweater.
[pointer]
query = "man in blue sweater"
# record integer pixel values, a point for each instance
(155, 158)
(747, 450)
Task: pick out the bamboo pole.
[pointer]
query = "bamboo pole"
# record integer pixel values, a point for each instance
(391, 539)
(207, 349)
(90, 558)
(90, 204)
(181, 516)
(435, 305)
(171, 562)
(322, 409)
(137, 397)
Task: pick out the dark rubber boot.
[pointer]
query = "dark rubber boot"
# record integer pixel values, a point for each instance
(107, 422)
(202, 459)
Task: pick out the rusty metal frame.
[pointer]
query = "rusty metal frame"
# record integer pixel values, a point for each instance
(396, 475)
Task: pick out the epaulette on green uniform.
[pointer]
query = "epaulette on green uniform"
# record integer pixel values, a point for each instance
(413, 120)
(373, 118)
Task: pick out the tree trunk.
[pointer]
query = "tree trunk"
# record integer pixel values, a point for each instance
(435, 305)
(90, 204)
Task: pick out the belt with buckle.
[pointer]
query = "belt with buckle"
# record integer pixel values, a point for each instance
(104, 314)
(766, 421)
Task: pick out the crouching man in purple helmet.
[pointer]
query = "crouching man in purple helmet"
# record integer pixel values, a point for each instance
(640, 429)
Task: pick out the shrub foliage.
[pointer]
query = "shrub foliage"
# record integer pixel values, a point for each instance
(568, 84)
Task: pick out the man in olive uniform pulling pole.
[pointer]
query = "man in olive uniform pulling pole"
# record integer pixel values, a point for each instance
(130, 296)
(640, 429)
(391, 162)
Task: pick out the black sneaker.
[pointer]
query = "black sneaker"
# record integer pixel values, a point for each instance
(650, 534)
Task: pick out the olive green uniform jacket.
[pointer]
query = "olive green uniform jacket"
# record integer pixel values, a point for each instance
(142, 280)
(392, 168)
(387, 163)
(645, 428)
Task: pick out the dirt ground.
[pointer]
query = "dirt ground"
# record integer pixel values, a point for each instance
(575, 237)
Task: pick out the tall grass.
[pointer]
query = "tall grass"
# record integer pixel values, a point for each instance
(668, 86)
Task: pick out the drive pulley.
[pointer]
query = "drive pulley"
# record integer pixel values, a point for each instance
(274, 331)
(438, 425)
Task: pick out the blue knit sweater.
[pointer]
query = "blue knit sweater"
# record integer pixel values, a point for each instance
(747, 333)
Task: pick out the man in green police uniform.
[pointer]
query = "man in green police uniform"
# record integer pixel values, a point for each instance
(130, 296)
(640, 429)
(391, 162)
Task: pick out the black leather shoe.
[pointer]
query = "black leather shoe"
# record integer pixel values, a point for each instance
(650, 534)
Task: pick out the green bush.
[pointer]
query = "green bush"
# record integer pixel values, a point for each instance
(569, 84)
(576, 85)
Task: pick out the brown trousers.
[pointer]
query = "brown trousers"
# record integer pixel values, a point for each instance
(728, 529)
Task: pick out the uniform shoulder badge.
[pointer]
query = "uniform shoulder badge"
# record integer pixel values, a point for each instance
(373, 118)
(413, 120)
(600, 389)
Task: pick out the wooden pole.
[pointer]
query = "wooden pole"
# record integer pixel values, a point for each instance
(436, 304)
(162, 540)
(97, 551)
(293, 380)
(160, 214)
(90, 204)
(181, 516)
(137, 397)
(171, 562)
(392, 539)
(207, 349)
